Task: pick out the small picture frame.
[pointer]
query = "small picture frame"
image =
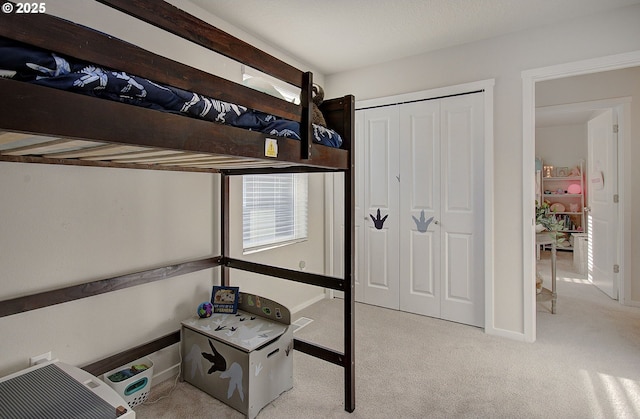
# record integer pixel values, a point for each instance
(548, 171)
(225, 299)
(562, 171)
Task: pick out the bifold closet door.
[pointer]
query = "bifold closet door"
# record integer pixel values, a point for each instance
(378, 253)
(441, 208)
(420, 208)
(421, 245)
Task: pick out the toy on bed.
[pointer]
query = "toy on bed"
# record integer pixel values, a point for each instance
(318, 97)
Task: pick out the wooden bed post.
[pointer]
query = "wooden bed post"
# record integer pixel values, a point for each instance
(224, 222)
(306, 129)
(349, 257)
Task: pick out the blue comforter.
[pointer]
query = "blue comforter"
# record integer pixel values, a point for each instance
(30, 64)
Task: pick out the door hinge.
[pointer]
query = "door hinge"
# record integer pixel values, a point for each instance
(616, 198)
(615, 129)
(616, 269)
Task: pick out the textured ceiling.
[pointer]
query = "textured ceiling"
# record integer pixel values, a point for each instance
(339, 35)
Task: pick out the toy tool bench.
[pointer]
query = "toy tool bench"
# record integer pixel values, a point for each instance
(244, 359)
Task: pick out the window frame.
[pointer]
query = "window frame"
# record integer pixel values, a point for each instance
(299, 208)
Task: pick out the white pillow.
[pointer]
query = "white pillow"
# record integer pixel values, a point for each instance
(263, 86)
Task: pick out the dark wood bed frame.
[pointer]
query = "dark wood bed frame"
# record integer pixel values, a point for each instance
(30, 110)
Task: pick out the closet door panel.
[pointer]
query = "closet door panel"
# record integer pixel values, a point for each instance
(459, 263)
(381, 282)
(458, 163)
(422, 280)
(462, 139)
(419, 208)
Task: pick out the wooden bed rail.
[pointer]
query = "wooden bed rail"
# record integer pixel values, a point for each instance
(171, 19)
(89, 289)
(107, 364)
(73, 40)
(289, 274)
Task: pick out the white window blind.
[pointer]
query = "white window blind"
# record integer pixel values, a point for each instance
(274, 209)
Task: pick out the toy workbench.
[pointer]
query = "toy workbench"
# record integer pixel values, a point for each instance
(244, 359)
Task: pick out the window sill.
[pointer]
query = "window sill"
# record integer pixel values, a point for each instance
(265, 247)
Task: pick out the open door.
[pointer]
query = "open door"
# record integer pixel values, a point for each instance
(602, 198)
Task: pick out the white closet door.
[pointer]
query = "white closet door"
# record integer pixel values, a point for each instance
(420, 207)
(462, 209)
(380, 267)
(360, 220)
(423, 174)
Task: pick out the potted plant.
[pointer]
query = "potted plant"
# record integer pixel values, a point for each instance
(546, 220)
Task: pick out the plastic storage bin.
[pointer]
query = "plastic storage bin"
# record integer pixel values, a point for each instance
(132, 382)
(580, 244)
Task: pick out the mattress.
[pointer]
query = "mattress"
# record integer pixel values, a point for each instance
(30, 64)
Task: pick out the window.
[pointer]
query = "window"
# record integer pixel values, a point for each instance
(274, 210)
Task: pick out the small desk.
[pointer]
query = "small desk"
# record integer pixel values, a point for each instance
(546, 295)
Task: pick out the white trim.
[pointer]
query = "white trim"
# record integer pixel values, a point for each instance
(583, 106)
(528, 213)
(264, 247)
(508, 334)
(624, 211)
(489, 220)
(170, 373)
(427, 94)
(307, 303)
(529, 79)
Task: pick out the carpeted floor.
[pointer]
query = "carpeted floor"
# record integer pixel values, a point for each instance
(584, 364)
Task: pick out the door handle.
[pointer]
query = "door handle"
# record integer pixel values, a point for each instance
(587, 209)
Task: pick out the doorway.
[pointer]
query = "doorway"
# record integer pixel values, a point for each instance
(530, 79)
(585, 132)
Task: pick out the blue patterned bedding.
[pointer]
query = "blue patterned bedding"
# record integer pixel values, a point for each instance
(30, 64)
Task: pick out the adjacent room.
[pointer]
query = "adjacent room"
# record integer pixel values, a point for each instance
(320, 209)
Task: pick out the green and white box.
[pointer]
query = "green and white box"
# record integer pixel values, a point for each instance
(134, 389)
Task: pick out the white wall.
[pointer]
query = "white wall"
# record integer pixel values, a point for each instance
(64, 225)
(503, 58)
(562, 145)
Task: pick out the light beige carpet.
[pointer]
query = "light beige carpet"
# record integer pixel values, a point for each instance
(584, 364)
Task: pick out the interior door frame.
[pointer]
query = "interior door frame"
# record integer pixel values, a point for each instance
(529, 80)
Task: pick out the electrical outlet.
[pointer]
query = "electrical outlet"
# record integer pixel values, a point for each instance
(39, 359)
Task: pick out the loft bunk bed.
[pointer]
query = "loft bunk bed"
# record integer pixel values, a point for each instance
(41, 123)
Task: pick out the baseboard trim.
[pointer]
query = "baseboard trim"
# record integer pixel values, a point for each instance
(167, 374)
(509, 334)
(308, 303)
